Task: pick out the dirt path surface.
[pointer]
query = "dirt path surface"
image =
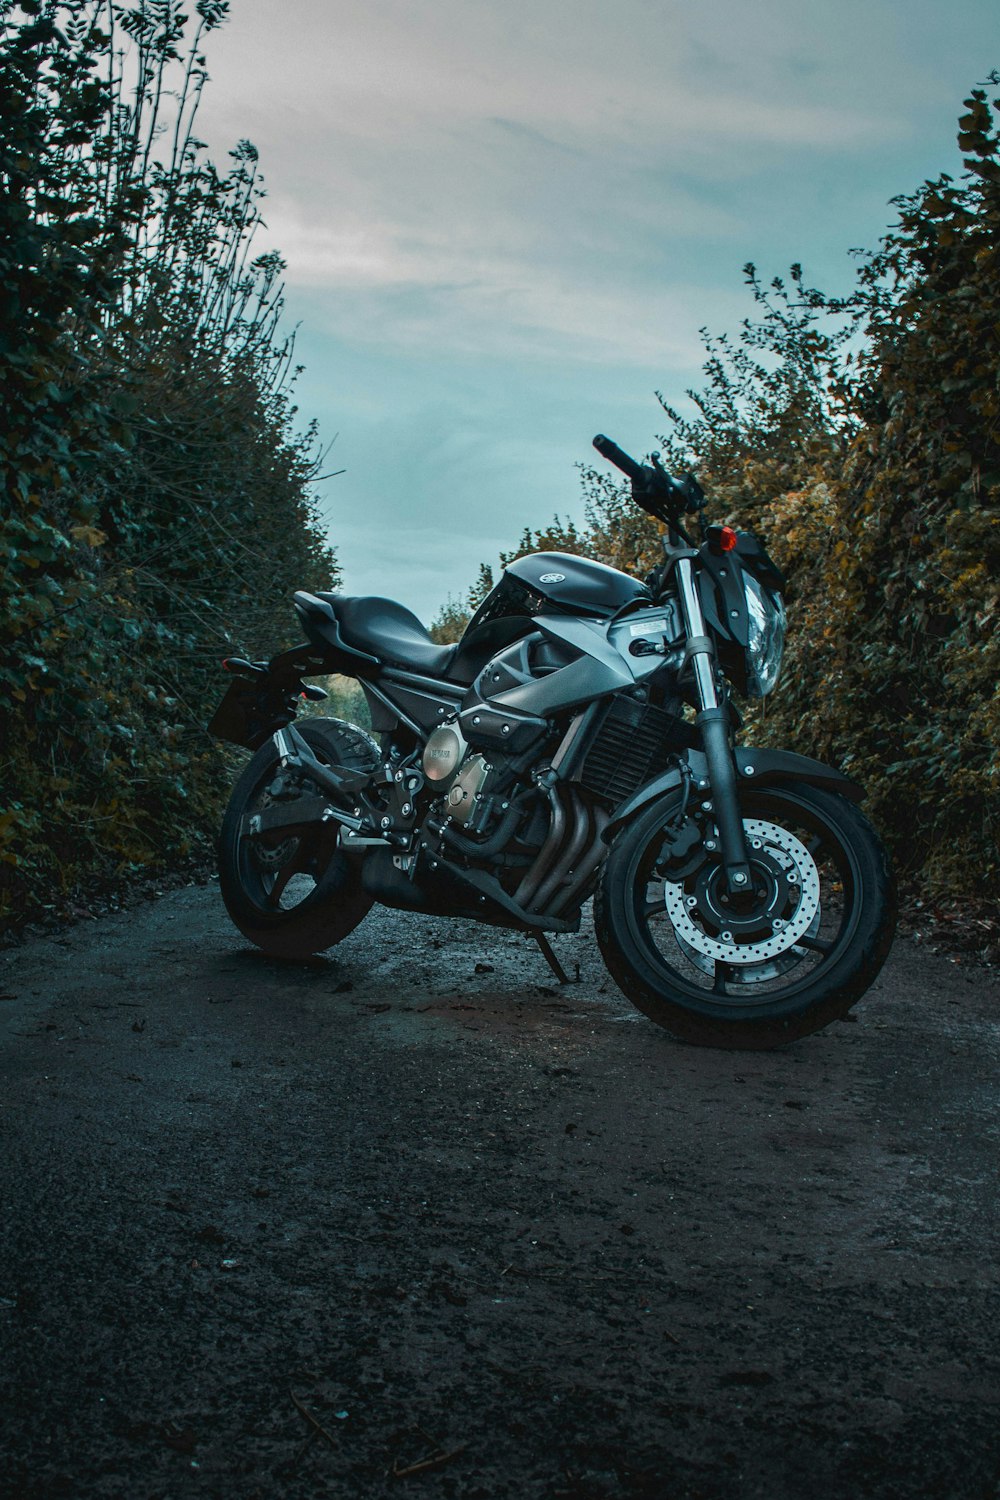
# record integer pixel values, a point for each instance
(414, 1221)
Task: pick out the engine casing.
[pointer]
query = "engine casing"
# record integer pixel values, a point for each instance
(443, 754)
(466, 789)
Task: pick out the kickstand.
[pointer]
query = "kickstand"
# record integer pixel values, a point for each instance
(553, 962)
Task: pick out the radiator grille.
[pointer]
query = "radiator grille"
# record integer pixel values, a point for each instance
(634, 743)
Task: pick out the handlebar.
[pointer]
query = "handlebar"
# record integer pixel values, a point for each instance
(615, 455)
(652, 487)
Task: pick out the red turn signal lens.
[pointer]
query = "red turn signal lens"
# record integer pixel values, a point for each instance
(721, 539)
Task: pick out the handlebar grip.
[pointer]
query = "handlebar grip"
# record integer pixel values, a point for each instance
(611, 451)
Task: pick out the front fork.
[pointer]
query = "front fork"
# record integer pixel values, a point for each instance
(713, 721)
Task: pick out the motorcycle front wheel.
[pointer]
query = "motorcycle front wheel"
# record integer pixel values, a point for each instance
(292, 893)
(748, 972)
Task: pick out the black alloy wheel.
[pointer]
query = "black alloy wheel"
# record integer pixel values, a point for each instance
(293, 892)
(751, 971)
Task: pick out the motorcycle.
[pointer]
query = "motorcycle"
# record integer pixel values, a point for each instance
(579, 740)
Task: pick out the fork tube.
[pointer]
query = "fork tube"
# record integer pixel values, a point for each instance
(713, 721)
(700, 649)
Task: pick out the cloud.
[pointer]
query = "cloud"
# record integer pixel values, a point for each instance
(384, 287)
(571, 71)
(508, 219)
(534, 181)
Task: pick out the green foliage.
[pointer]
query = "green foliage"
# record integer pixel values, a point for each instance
(482, 586)
(449, 624)
(451, 620)
(157, 508)
(919, 654)
(558, 536)
(346, 701)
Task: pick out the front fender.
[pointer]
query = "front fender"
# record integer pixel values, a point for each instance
(760, 766)
(785, 765)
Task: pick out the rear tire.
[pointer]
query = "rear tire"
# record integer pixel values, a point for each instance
(296, 896)
(831, 889)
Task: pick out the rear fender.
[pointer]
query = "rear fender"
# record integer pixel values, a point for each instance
(758, 766)
(254, 707)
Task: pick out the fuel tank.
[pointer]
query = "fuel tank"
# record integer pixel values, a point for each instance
(558, 583)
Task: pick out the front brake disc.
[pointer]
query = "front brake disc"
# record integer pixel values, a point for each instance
(796, 921)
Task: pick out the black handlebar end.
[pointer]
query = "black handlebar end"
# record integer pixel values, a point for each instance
(611, 451)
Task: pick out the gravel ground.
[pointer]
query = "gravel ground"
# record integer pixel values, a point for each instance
(414, 1220)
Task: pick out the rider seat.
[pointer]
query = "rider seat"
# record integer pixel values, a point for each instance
(389, 631)
(384, 632)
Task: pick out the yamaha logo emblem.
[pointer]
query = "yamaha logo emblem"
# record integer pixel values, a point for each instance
(552, 578)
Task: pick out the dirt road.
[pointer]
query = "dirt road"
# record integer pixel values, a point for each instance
(415, 1221)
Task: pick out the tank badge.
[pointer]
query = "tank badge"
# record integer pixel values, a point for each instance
(552, 578)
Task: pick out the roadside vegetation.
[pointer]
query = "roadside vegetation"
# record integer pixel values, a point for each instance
(156, 489)
(860, 437)
(157, 504)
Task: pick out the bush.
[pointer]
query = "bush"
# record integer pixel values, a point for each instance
(157, 507)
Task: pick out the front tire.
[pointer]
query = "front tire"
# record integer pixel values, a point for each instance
(721, 975)
(297, 895)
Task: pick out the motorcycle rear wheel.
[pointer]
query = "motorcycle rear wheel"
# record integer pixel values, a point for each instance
(298, 895)
(830, 889)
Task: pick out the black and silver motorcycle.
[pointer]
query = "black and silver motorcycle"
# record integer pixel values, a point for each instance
(579, 740)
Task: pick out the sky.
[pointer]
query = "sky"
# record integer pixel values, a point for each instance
(505, 223)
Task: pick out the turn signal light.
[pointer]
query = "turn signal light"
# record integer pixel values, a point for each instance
(721, 539)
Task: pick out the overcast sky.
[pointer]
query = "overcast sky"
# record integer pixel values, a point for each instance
(505, 223)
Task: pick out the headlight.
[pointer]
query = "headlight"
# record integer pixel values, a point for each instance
(767, 637)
